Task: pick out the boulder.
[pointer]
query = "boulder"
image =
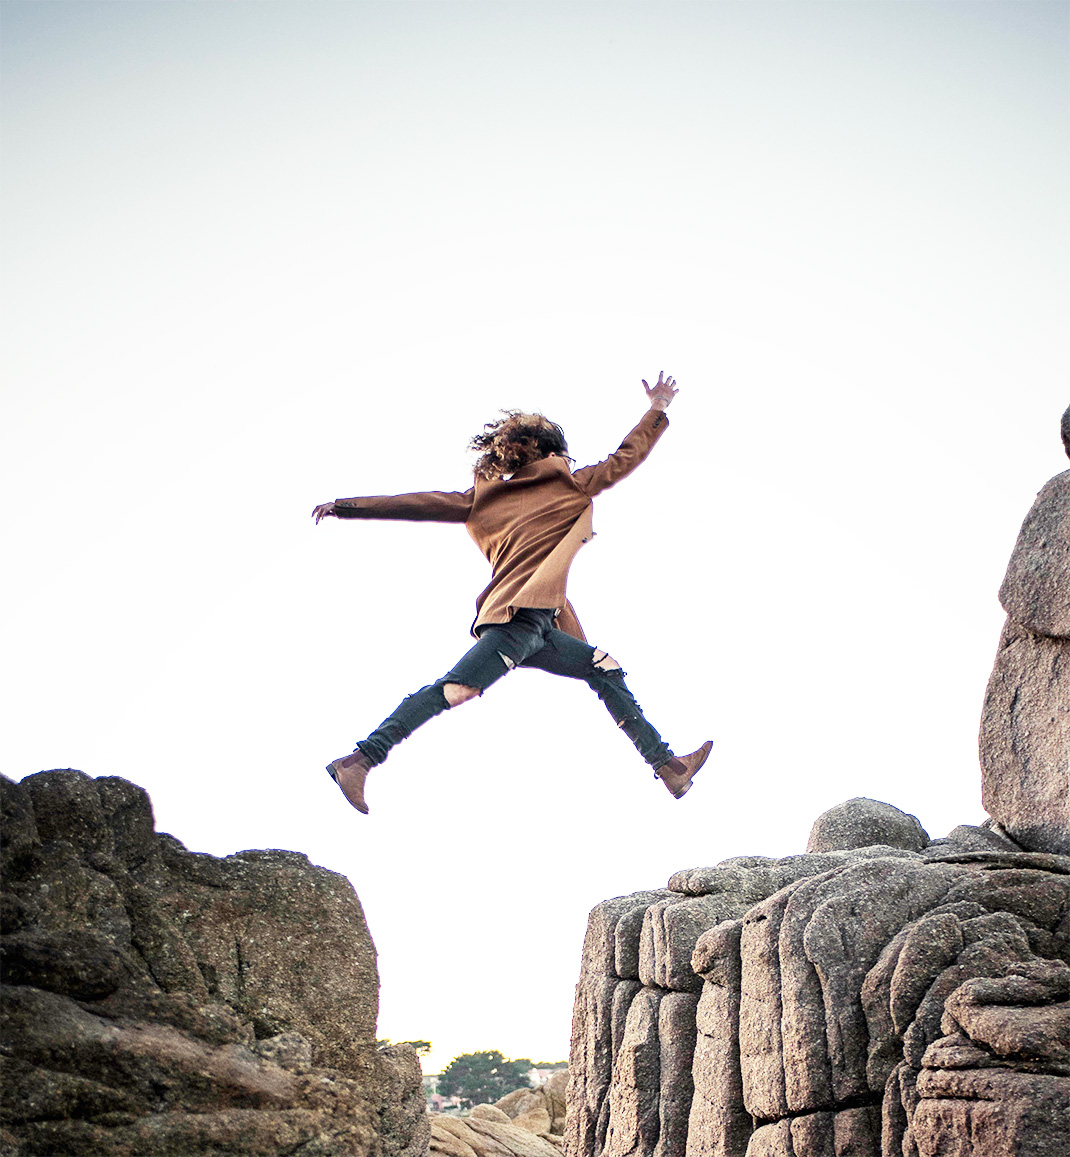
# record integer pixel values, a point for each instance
(862, 823)
(488, 1113)
(1036, 588)
(1025, 740)
(534, 1120)
(540, 1110)
(159, 1002)
(519, 1101)
(498, 1138)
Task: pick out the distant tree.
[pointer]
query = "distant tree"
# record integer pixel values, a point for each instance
(479, 1078)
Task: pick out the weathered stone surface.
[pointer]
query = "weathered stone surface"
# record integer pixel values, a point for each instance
(18, 830)
(289, 1050)
(556, 1093)
(403, 1126)
(772, 1140)
(591, 1058)
(128, 814)
(541, 1110)
(751, 879)
(518, 1101)
(1025, 740)
(82, 964)
(447, 1140)
(1036, 588)
(676, 1038)
(505, 1138)
(847, 1133)
(160, 1002)
(987, 837)
(66, 806)
(891, 1002)
(600, 1009)
(991, 1112)
(1024, 1014)
(634, 1121)
(535, 1121)
(488, 1113)
(861, 823)
(671, 929)
(628, 933)
(760, 1012)
(600, 944)
(479, 1136)
(719, 1124)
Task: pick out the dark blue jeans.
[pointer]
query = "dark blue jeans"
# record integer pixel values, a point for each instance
(530, 639)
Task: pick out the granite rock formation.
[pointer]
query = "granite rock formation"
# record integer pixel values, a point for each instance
(856, 1002)
(486, 1132)
(1025, 726)
(157, 1001)
(884, 995)
(540, 1110)
(524, 1123)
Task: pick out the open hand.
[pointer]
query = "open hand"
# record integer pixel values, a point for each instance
(324, 510)
(662, 392)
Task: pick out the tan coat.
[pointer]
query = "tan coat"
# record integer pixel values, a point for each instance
(528, 526)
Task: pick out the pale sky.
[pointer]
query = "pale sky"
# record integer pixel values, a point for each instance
(263, 255)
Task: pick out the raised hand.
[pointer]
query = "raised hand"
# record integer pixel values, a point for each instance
(662, 392)
(324, 510)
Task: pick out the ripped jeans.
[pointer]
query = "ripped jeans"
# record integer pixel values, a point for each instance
(530, 639)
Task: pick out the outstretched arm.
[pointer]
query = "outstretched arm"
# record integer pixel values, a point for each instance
(638, 444)
(425, 506)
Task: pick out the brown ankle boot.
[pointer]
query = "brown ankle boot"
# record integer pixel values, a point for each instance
(680, 770)
(349, 773)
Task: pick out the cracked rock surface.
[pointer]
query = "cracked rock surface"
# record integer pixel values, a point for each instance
(158, 1001)
(1025, 725)
(855, 1002)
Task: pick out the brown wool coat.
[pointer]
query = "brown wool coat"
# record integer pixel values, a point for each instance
(528, 526)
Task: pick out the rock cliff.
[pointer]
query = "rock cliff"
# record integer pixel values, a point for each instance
(883, 995)
(1025, 726)
(157, 1001)
(874, 1000)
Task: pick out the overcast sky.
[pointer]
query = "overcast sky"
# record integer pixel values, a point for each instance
(262, 255)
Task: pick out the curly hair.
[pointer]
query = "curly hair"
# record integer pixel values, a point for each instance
(516, 440)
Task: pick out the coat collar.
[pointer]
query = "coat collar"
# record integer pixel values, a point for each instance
(533, 472)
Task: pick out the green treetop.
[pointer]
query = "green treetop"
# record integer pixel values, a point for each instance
(481, 1078)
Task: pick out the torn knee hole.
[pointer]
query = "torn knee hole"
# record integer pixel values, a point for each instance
(458, 693)
(509, 663)
(604, 662)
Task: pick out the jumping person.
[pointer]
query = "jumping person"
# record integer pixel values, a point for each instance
(529, 513)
